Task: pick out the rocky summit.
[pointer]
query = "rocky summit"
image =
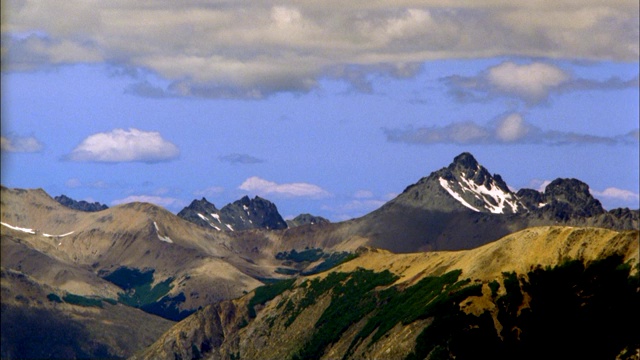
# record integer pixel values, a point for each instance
(80, 205)
(243, 214)
(307, 219)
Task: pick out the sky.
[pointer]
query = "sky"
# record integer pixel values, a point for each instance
(329, 108)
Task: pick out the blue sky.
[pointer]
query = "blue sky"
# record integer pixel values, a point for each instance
(320, 110)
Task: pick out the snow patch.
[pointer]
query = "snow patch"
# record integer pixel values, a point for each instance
(203, 217)
(445, 185)
(542, 205)
(160, 237)
(217, 217)
(501, 198)
(58, 236)
(230, 227)
(25, 230)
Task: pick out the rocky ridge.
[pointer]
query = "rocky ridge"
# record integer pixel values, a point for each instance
(307, 219)
(243, 214)
(80, 205)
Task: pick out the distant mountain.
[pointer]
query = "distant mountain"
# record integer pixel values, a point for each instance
(80, 205)
(306, 219)
(243, 214)
(463, 206)
(105, 284)
(541, 293)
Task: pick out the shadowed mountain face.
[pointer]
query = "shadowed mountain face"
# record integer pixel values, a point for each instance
(460, 206)
(463, 206)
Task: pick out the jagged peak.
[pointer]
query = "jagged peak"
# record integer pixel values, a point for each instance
(465, 160)
(201, 203)
(563, 184)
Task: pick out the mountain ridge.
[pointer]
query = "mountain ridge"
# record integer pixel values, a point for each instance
(242, 214)
(81, 205)
(289, 324)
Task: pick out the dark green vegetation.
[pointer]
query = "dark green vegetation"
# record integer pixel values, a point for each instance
(331, 261)
(81, 300)
(419, 301)
(575, 311)
(266, 293)
(351, 299)
(139, 293)
(54, 298)
(568, 311)
(126, 278)
(309, 255)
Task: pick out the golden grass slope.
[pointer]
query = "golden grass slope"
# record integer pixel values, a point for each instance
(267, 337)
(520, 252)
(71, 247)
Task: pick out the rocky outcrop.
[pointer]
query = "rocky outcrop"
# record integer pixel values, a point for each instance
(243, 214)
(80, 205)
(307, 219)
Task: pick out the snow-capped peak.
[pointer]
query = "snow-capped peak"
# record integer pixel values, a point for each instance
(474, 187)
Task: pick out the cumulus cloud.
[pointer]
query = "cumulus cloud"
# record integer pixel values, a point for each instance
(538, 184)
(617, 194)
(509, 129)
(253, 49)
(265, 187)
(120, 145)
(157, 200)
(512, 128)
(20, 144)
(240, 159)
(532, 83)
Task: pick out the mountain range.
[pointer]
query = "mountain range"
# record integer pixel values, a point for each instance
(94, 273)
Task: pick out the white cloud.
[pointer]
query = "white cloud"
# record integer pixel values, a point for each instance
(265, 187)
(617, 194)
(157, 200)
(251, 49)
(125, 146)
(531, 81)
(539, 184)
(508, 129)
(20, 144)
(512, 128)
